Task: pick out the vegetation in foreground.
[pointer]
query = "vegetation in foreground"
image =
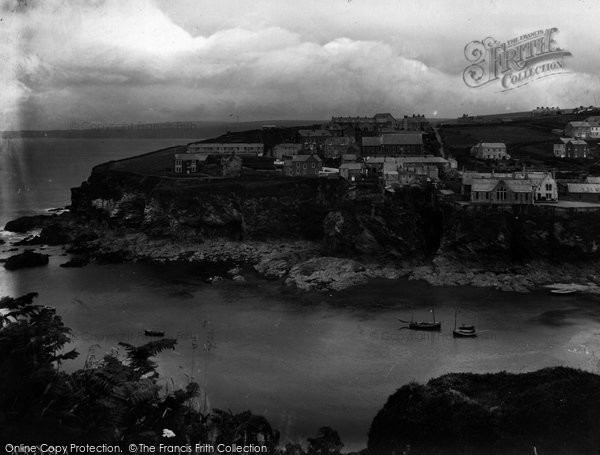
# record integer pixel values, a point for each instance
(550, 411)
(110, 400)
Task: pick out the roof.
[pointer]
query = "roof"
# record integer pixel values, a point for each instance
(375, 159)
(515, 185)
(351, 166)
(491, 144)
(318, 133)
(421, 159)
(579, 124)
(592, 179)
(305, 157)
(519, 185)
(341, 140)
(583, 188)
(227, 144)
(288, 145)
(485, 185)
(535, 176)
(393, 139)
(446, 192)
(191, 156)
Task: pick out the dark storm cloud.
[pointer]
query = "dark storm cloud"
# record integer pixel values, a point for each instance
(157, 61)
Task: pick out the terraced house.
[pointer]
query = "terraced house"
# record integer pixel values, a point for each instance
(303, 166)
(567, 147)
(490, 151)
(189, 163)
(393, 145)
(227, 148)
(579, 130)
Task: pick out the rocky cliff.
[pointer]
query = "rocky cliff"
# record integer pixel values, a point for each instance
(256, 209)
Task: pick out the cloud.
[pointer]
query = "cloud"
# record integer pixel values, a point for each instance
(114, 61)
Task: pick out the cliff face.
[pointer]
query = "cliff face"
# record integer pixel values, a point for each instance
(408, 225)
(513, 238)
(256, 208)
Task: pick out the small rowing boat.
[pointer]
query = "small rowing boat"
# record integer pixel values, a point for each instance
(464, 331)
(154, 333)
(563, 291)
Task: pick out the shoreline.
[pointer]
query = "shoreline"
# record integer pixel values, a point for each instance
(297, 263)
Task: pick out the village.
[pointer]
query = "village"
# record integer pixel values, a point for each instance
(379, 155)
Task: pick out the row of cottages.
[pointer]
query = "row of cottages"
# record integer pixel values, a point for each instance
(392, 145)
(227, 148)
(366, 124)
(543, 186)
(280, 151)
(313, 140)
(405, 170)
(302, 166)
(567, 147)
(335, 147)
(194, 163)
(588, 129)
(490, 151)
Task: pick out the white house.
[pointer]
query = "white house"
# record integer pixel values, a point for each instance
(490, 151)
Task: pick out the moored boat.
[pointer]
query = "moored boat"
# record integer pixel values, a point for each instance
(433, 326)
(154, 333)
(464, 331)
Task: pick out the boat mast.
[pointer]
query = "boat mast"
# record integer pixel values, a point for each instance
(433, 313)
(455, 311)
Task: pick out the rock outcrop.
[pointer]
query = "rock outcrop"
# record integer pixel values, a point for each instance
(26, 259)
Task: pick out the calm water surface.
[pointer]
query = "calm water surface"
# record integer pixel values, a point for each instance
(303, 360)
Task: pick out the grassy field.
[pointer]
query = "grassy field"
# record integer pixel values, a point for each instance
(528, 141)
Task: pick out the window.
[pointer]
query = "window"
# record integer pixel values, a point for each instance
(548, 187)
(548, 196)
(304, 166)
(313, 165)
(501, 194)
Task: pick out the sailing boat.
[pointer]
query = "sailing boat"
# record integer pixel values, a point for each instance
(429, 326)
(464, 331)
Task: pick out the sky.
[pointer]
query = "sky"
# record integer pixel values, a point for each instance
(66, 63)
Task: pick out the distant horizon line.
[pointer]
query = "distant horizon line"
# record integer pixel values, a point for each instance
(105, 126)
